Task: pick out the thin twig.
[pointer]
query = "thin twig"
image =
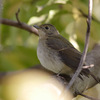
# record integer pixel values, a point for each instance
(85, 15)
(85, 48)
(91, 98)
(21, 26)
(17, 16)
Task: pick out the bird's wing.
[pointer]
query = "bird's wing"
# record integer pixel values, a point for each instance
(67, 53)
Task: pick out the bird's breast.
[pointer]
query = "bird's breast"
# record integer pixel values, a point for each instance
(49, 58)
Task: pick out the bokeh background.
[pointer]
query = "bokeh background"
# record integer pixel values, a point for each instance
(18, 47)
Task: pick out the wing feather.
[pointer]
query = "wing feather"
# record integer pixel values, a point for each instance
(66, 51)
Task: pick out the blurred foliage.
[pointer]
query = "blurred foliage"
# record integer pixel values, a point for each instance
(18, 47)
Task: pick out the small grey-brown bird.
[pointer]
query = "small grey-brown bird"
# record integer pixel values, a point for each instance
(55, 52)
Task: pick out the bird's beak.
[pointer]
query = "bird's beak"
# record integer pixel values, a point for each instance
(37, 27)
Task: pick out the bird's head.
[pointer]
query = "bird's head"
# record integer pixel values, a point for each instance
(46, 30)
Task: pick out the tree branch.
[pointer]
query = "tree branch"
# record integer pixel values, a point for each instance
(21, 25)
(80, 85)
(85, 15)
(91, 98)
(85, 48)
(17, 17)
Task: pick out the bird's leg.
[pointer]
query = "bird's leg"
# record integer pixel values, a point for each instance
(88, 66)
(58, 74)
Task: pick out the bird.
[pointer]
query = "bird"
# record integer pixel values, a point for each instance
(56, 53)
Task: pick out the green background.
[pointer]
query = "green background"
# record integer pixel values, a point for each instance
(18, 47)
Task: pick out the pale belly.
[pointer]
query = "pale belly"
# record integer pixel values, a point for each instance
(50, 60)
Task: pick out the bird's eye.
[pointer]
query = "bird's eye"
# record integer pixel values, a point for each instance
(47, 27)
